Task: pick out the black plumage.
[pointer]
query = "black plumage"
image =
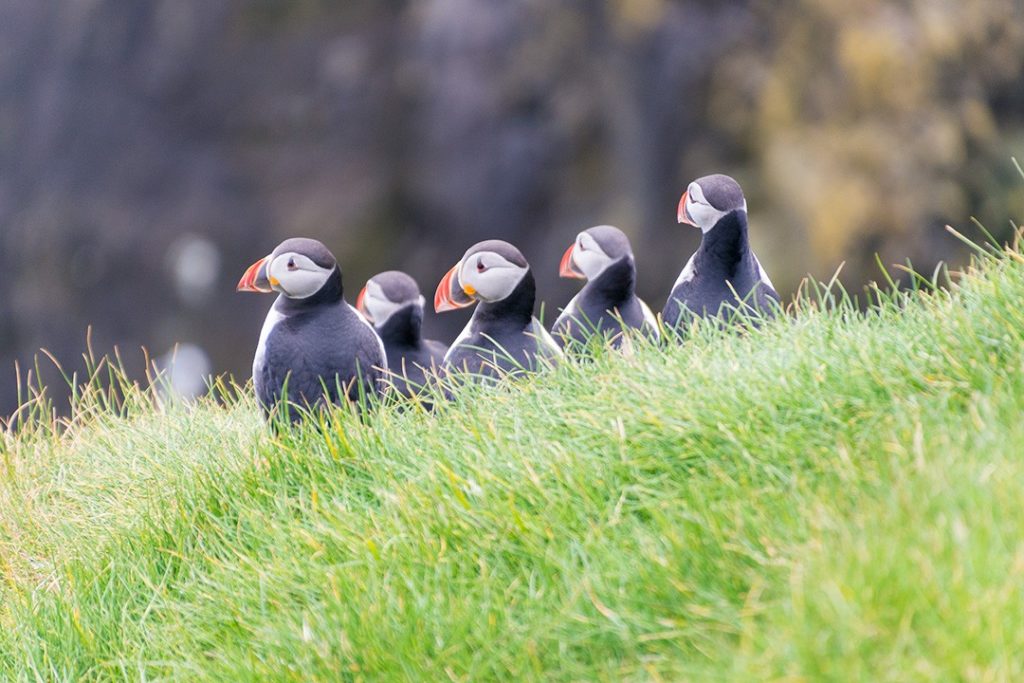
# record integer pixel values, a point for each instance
(608, 303)
(315, 350)
(411, 358)
(503, 336)
(724, 271)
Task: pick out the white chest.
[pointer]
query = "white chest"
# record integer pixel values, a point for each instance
(689, 272)
(568, 312)
(463, 336)
(380, 344)
(273, 318)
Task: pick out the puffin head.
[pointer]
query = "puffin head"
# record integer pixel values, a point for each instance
(387, 293)
(489, 271)
(298, 268)
(707, 200)
(594, 250)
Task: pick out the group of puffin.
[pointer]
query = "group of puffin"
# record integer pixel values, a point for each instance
(317, 349)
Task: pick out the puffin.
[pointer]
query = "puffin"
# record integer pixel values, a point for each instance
(315, 349)
(608, 303)
(503, 337)
(392, 302)
(724, 270)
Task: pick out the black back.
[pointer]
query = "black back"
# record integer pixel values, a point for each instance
(603, 306)
(410, 357)
(722, 263)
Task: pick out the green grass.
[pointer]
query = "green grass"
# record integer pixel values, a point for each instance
(833, 496)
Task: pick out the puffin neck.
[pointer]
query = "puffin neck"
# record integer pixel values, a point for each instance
(728, 241)
(404, 327)
(516, 307)
(331, 292)
(616, 283)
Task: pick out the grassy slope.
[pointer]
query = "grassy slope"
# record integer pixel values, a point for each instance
(836, 496)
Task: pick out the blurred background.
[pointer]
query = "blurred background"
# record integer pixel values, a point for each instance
(151, 149)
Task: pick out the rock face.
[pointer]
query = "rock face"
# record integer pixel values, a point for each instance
(151, 149)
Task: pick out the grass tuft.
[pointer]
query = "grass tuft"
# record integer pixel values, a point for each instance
(830, 495)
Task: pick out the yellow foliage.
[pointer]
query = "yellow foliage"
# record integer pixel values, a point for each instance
(868, 115)
(636, 15)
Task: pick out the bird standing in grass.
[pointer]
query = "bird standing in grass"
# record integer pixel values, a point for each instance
(392, 302)
(502, 336)
(723, 271)
(315, 348)
(608, 303)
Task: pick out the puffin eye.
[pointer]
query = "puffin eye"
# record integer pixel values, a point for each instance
(291, 264)
(480, 267)
(583, 247)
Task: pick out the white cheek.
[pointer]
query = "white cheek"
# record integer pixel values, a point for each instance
(303, 283)
(277, 269)
(495, 284)
(297, 284)
(467, 278)
(591, 262)
(704, 215)
(380, 309)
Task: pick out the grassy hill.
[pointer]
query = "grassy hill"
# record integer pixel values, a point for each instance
(834, 496)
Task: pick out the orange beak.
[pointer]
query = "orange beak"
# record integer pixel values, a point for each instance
(361, 304)
(681, 213)
(567, 268)
(255, 278)
(450, 294)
